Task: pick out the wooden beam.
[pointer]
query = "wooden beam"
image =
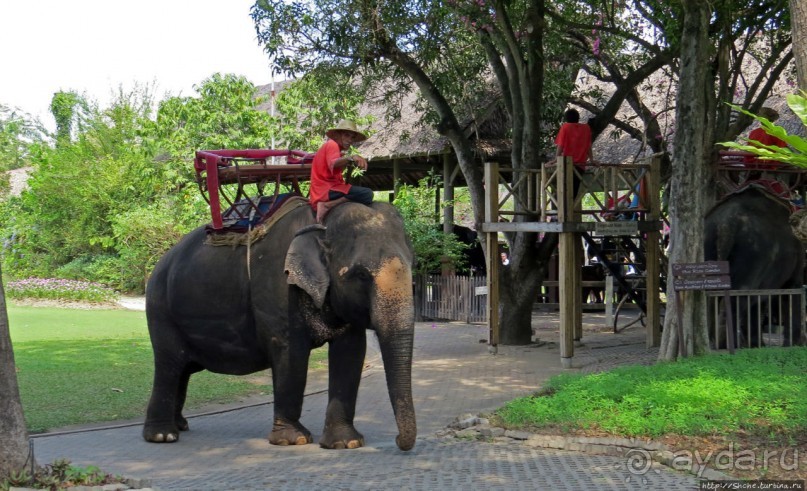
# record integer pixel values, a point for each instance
(653, 256)
(492, 249)
(396, 176)
(567, 276)
(556, 227)
(492, 262)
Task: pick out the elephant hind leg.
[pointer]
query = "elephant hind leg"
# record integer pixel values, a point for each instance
(182, 392)
(164, 418)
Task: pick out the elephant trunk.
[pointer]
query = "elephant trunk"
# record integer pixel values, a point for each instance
(393, 318)
(397, 356)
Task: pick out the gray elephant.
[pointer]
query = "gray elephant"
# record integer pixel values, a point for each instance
(751, 230)
(231, 311)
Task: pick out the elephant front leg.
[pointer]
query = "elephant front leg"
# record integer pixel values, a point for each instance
(345, 363)
(289, 372)
(286, 432)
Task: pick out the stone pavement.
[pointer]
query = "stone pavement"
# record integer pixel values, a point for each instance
(453, 374)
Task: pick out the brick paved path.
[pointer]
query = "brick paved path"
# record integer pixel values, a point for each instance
(453, 374)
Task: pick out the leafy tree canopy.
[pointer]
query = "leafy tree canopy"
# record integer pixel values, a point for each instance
(19, 135)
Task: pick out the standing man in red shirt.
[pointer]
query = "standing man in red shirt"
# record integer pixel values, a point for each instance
(574, 140)
(328, 186)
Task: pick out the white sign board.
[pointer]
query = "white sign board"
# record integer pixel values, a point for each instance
(621, 227)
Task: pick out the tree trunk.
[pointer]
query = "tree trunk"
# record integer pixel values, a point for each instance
(690, 174)
(13, 433)
(798, 19)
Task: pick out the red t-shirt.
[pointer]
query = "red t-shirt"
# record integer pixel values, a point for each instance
(765, 138)
(323, 176)
(574, 140)
(762, 136)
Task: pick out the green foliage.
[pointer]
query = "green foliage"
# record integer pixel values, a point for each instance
(754, 391)
(66, 108)
(19, 136)
(432, 246)
(225, 115)
(141, 237)
(119, 187)
(308, 106)
(77, 189)
(797, 154)
(59, 475)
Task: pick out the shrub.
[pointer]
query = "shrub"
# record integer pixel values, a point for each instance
(59, 289)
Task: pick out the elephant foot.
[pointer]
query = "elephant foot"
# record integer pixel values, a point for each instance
(182, 423)
(285, 433)
(161, 434)
(338, 439)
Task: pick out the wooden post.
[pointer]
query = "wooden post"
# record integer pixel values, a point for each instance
(609, 300)
(493, 260)
(653, 255)
(448, 196)
(396, 176)
(577, 266)
(577, 269)
(542, 192)
(566, 260)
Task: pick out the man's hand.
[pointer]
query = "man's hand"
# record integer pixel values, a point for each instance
(359, 162)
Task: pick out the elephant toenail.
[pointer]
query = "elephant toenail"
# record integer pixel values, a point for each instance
(171, 438)
(353, 444)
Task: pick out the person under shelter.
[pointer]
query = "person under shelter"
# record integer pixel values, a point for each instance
(328, 186)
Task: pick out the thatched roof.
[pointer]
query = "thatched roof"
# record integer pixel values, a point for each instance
(615, 146)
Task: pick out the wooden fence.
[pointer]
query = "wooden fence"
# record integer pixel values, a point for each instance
(458, 298)
(760, 317)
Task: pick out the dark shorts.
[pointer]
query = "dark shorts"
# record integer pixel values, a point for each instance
(357, 193)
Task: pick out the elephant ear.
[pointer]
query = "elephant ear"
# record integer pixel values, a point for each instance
(305, 266)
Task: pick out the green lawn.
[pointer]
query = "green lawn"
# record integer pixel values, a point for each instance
(90, 366)
(756, 391)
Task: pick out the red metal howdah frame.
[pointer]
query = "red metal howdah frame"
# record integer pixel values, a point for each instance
(216, 168)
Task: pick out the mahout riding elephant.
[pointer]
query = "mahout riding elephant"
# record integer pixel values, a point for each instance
(238, 310)
(750, 229)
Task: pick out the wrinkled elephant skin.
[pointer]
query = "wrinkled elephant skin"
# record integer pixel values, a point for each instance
(305, 285)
